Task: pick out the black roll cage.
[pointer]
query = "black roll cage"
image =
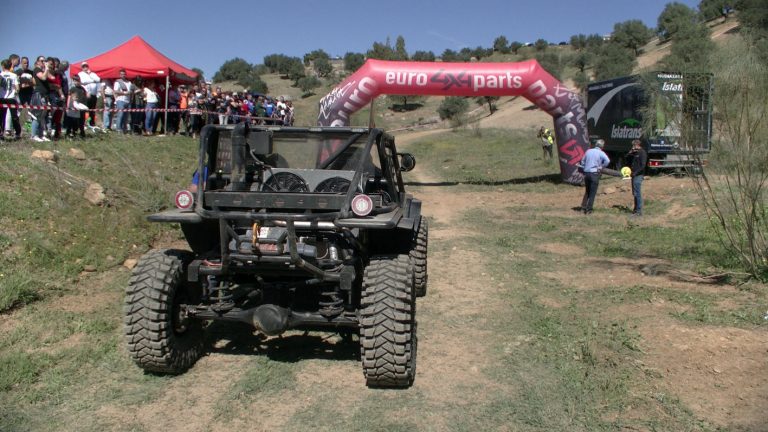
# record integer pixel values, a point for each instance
(267, 205)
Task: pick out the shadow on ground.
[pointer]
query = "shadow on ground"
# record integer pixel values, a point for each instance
(293, 346)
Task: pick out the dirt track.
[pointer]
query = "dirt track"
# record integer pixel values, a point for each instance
(718, 372)
(452, 355)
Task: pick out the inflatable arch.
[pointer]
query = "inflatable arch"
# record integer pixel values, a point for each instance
(526, 78)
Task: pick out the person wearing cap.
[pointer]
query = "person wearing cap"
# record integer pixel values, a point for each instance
(593, 162)
(547, 142)
(91, 83)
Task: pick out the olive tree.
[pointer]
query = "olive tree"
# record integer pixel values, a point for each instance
(322, 66)
(353, 61)
(490, 100)
(674, 16)
(613, 60)
(424, 56)
(232, 70)
(453, 108)
(632, 34)
(501, 44)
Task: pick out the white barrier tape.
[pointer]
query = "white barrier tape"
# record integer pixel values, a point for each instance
(57, 108)
(114, 110)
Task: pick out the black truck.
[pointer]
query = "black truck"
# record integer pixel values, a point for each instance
(288, 228)
(673, 121)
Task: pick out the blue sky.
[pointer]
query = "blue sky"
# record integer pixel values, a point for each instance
(205, 34)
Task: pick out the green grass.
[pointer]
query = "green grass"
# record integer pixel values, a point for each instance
(576, 364)
(51, 232)
(575, 372)
(506, 159)
(570, 365)
(693, 245)
(263, 378)
(376, 411)
(19, 368)
(52, 360)
(71, 383)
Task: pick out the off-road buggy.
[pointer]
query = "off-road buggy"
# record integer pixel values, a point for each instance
(289, 228)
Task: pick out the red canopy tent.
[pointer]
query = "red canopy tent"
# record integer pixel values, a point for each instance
(138, 58)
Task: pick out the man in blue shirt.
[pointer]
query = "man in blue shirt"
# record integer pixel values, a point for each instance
(593, 162)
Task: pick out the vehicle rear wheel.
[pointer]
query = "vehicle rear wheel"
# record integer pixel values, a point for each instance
(158, 335)
(419, 256)
(388, 322)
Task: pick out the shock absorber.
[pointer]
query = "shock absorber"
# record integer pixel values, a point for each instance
(220, 295)
(333, 306)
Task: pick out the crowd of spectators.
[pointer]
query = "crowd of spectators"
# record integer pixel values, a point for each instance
(128, 105)
(202, 104)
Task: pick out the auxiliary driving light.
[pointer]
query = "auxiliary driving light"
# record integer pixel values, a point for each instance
(184, 200)
(362, 205)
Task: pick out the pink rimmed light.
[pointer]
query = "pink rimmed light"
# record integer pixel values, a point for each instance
(184, 200)
(362, 205)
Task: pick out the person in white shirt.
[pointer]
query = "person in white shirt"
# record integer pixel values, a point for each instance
(108, 96)
(91, 82)
(151, 99)
(9, 89)
(123, 90)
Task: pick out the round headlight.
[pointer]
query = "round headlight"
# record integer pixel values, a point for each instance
(184, 200)
(362, 205)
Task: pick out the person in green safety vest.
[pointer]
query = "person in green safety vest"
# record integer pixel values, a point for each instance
(547, 142)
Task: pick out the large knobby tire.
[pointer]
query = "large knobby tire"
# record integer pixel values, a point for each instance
(419, 257)
(158, 339)
(388, 322)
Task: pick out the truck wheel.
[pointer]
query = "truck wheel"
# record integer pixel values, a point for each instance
(388, 322)
(159, 338)
(419, 257)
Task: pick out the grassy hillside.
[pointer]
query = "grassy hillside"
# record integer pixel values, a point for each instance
(385, 116)
(51, 233)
